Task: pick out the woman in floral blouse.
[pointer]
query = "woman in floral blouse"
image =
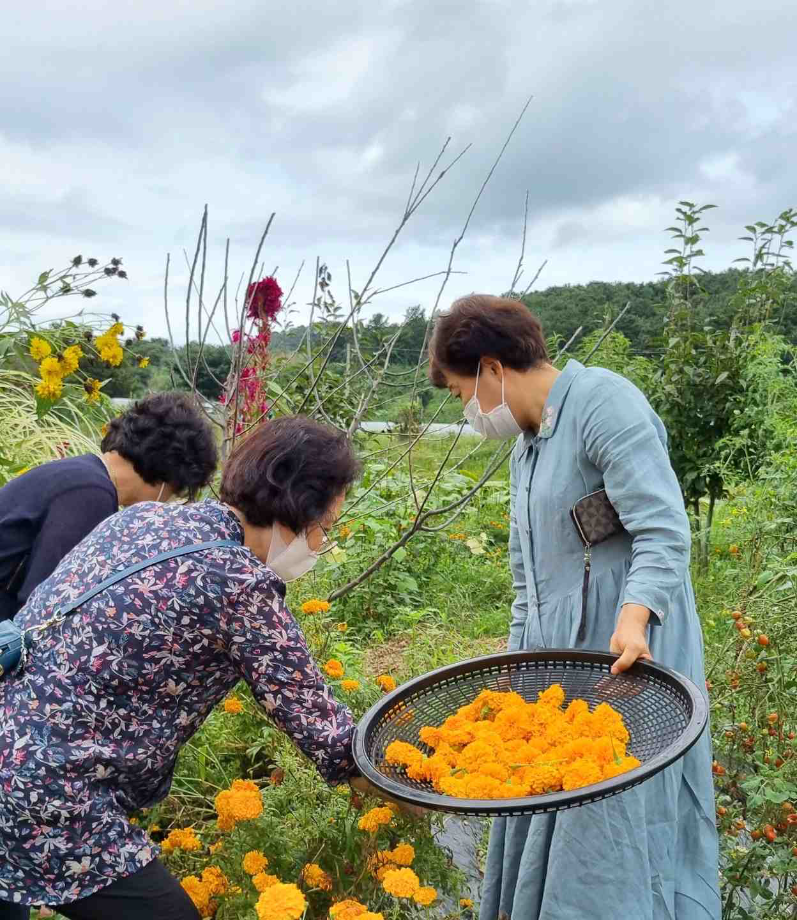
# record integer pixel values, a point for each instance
(91, 728)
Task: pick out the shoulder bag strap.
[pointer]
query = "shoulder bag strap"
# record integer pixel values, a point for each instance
(137, 567)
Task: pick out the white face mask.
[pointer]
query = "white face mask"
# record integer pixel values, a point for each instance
(290, 560)
(497, 423)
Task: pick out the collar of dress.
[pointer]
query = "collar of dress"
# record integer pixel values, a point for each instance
(553, 404)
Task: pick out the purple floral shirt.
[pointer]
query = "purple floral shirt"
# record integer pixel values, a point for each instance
(91, 730)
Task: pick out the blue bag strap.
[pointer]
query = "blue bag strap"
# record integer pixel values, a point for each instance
(138, 566)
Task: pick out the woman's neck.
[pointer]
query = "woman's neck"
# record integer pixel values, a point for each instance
(529, 392)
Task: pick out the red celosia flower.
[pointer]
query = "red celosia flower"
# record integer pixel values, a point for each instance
(265, 299)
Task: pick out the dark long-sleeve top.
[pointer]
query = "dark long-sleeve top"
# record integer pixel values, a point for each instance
(43, 514)
(90, 731)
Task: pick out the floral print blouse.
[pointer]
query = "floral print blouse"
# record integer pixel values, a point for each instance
(91, 730)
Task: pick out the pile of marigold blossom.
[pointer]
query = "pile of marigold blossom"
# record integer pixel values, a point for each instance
(500, 746)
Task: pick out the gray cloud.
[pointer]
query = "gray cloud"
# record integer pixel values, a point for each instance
(115, 131)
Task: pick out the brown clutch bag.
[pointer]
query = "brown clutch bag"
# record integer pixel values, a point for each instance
(595, 520)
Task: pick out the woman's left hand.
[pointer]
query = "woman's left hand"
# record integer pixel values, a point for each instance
(630, 637)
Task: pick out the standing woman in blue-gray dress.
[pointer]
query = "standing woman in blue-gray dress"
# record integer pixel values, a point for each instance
(651, 852)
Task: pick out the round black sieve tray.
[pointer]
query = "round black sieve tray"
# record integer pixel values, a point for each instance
(664, 712)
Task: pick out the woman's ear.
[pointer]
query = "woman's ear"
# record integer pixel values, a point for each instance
(491, 366)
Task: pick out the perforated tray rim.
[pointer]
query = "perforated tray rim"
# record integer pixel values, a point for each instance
(509, 663)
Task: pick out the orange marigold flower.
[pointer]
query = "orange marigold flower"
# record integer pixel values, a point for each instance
(181, 839)
(216, 881)
(254, 861)
(263, 882)
(234, 705)
(401, 883)
(403, 854)
(315, 606)
(350, 685)
(347, 910)
(241, 802)
(386, 683)
(315, 877)
(425, 896)
(334, 669)
(281, 902)
(198, 891)
(372, 820)
(403, 754)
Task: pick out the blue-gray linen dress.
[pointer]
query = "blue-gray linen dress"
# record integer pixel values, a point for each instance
(649, 853)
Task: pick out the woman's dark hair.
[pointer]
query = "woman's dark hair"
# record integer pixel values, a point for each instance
(166, 440)
(289, 470)
(481, 326)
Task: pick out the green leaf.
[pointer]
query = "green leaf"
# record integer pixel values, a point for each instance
(723, 376)
(43, 278)
(43, 406)
(400, 555)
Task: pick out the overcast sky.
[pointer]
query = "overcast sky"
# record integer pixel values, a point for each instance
(118, 122)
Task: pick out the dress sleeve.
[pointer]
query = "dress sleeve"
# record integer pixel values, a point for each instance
(70, 517)
(520, 605)
(271, 654)
(623, 441)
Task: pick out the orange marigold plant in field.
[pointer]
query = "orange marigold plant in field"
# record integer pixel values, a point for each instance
(500, 746)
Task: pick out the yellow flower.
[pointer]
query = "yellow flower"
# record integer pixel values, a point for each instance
(116, 329)
(315, 877)
(39, 349)
(386, 682)
(113, 355)
(234, 705)
(254, 862)
(214, 847)
(403, 854)
(315, 606)
(372, 820)
(342, 627)
(401, 883)
(425, 896)
(262, 882)
(50, 369)
(334, 669)
(104, 429)
(350, 685)
(344, 532)
(281, 902)
(181, 839)
(71, 359)
(92, 388)
(465, 903)
(50, 389)
(143, 362)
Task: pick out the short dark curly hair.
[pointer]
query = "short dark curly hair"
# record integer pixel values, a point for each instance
(289, 470)
(481, 326)
(166, 439)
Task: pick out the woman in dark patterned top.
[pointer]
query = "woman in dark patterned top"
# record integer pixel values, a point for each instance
(91, 728)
